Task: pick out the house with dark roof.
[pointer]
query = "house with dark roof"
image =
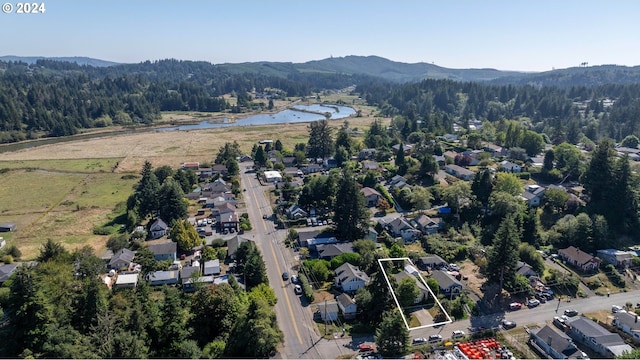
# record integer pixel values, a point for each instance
(367, 154)
(412, 273)
(234, 243)
(396, 179)
(350, 278)
(311, 239)
(617, 258)
(427, 225)
(510, 167)
(525, 270)
(168, 277)
(533, 195)
(7, 227)
(164, 250)
(595, 337)
(400, 227)
(187, 272)
(580, 259)
(289, 161)
(370, 165)
(371, 196)
(158, 229)
(431, 262)
(628, 323)
(450, 156)
(122, 259)
(329, 251)
(459, 172)
(554, 345)
(406, 148)
(229, 221)
(448, 284)
(347, 306)
(191, 284)
(6, 270)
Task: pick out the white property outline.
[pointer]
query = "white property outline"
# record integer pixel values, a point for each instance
(449, 321)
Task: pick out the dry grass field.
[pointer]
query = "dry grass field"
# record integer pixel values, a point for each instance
(62, 191)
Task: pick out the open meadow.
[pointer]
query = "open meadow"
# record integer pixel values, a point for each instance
(62, 191)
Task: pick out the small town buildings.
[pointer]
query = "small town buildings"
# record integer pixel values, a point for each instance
(191, 166)
(459, 172)
(164, 250)
(187, 272)
(427, 225)
(234, 243)
(295, 212)
(191, 284)
(413, 274)
(406, 148)
(617, 258)
(554, 345)
(212, 267)
(347, 306)
(431, 262)
(329, 251)
(399, 227)
(508, 166)
(448, 284)
(367, 154)
(349, 278)
(597, 338)
(122, 259)
(580, 259)
(272, 176)
(396, 179)
(158, 229)
(628, 323)
(168, 277)
(533, 195)
(525, 270)
(229, 221)
(371, 196)
(126, 280)
(328, 311)
(311, 239)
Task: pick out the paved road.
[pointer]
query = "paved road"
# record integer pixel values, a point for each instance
(294, 319)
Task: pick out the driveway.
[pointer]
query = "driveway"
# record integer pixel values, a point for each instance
(549, 262)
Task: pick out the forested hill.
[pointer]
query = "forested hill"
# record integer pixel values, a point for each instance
(80, 60)
(576, 76)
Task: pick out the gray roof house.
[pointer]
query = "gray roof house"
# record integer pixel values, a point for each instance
(555, 345)
(371, 196)
(615, 257)
(328, 311)
(431, 262)
(168, 277)
(510, 167)
(187, 271)
(448, 284)
(234, 243)
(158, 229)
(628, 323)
(525, 269)
(329, 251)
(122, 259)
(350, 278)
(399, 227)
(7, 227)
(347, 306)
(412, 273)
(427, 225)
(212, 267)
(164, 251)
(296, 212)
(124, 281)
(459, 172)
(533, 195)
(597, 338)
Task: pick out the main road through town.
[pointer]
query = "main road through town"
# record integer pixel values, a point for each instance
(294, 318)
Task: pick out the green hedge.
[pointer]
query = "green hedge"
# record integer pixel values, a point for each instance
(386, 195)
(306, 287)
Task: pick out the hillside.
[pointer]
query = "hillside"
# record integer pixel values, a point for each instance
(80, 60)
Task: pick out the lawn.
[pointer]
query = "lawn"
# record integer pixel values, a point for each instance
(64, 165)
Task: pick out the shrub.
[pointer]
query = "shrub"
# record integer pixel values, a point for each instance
(103, 230)
(306, 287)
(7, 259)
(216, 243)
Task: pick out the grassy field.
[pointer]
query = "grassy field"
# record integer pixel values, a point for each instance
(62, 191)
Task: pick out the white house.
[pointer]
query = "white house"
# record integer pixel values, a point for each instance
(212, 267)
(628, 323)
(350, 278)
(272, 176)
(510, 167)
(347, 306)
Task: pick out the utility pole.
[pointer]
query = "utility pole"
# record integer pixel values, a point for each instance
(325, 316)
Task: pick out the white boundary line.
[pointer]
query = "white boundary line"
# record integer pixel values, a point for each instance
(448, 321)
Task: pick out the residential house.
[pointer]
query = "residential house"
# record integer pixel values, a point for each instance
(431, 262)
(459, 172)
(367, 154)
(229, 221)
(510, 167)
(187, 272)
(212, 267)
(396, 179)
(347, 306)
(312, 168)
(191, 284)
(328, 311)
(245, 158)
(219, 200)
(272, 176)
(122, 259)
(495, 150)
(222, 209)
(234, 243)
(158, 229)
(350, 278)
(371, 196)
(448, 284)
(6, 270)
(426, 224)
(525, 270)
(169, 277)
(164, 250)
(597, 338)
(617, 258)
(295, 212)
(412, 273)
(399, 227)
(126, 281)
(441, 160)
(628, 322)
(215, 187)
(329, 251)
(472, 157)
(579, 259)
(371, 234)
(292, 172)
(554, 344)
(450, 137)
(219, 169)
(533, 195)
(205, 174)
(311, 239)
(289, 161)
(406, 148)
(535, 161)
(194, 165)
(370, 165)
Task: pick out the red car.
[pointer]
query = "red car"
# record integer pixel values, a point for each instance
(515, 306)
(367, 348)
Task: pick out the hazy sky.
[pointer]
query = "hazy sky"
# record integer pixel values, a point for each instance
(532, 35)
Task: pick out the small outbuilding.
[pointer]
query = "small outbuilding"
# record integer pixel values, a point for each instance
(7, 227)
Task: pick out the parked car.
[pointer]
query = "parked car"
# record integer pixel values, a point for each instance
(434, 339)
(515, 306)
(457, 335)
(571, 312)
(366, 348)
(418, 341)
(454, 267)
(297, 289)
(308, 222)
(265, 216)
(616, 308)
(560, 323)
(285, 276)
(508, 324)
(533, 303)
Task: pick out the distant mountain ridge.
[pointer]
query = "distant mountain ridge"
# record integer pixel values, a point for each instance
(80, 60)
(399, 72)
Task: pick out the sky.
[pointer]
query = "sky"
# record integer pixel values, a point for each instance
(532, 35)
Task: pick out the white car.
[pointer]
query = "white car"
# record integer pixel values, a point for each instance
(434, 339)
(533, 303)
(616, 308)
(454, 267)
(457, 335)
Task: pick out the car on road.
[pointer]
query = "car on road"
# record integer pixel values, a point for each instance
(616, 308)
(418, 341)
(434, 339)
(515, 306)
(508, 324)
(265, 216)
(457, 335)
(533, 303)
(366, 348)
(297, 289)
(571, 312)
(294, 279)
(285, 276)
